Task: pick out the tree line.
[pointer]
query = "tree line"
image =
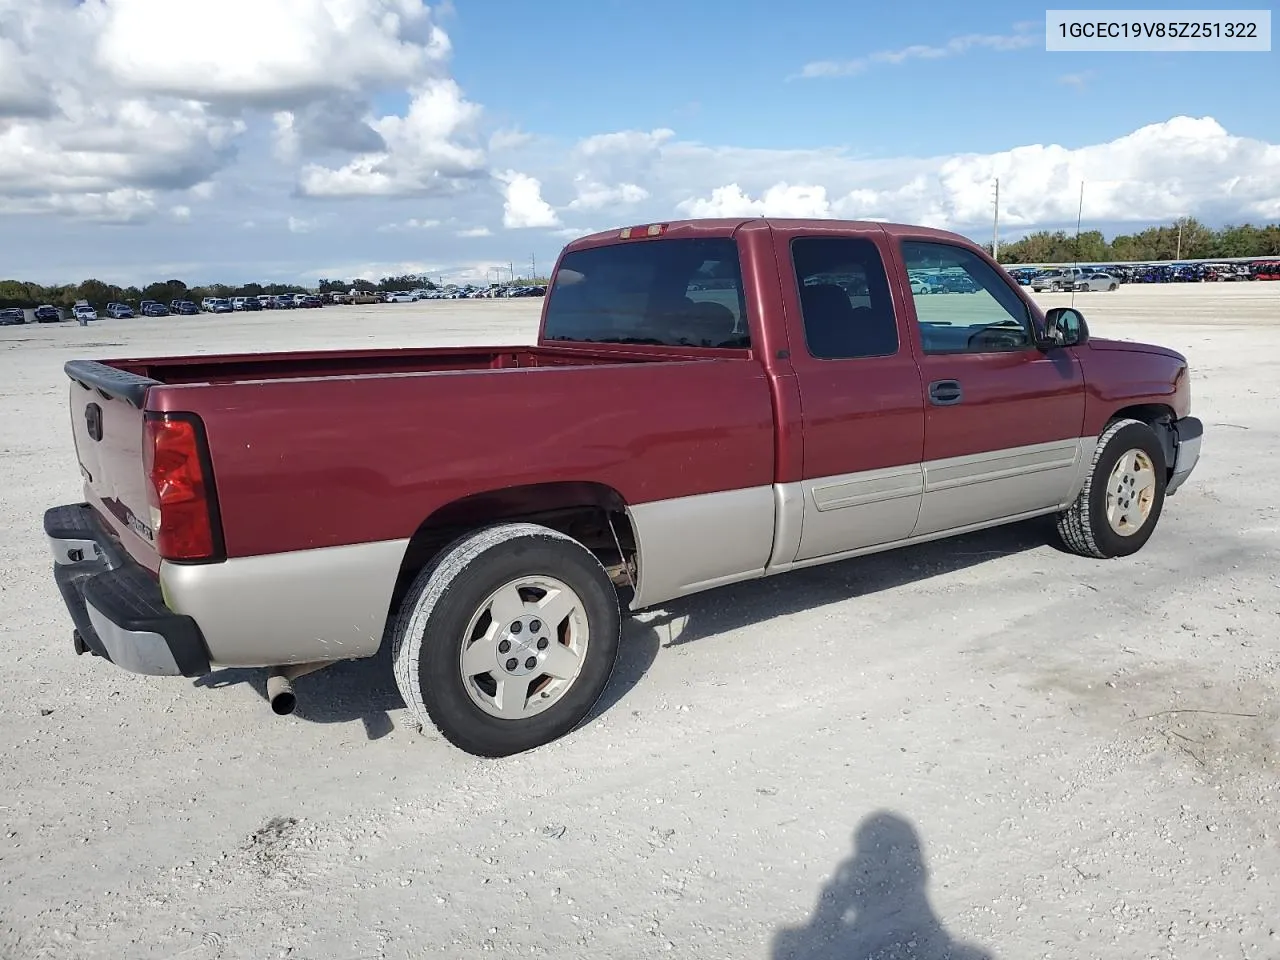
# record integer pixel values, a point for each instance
(19, 293)
(1186, 239)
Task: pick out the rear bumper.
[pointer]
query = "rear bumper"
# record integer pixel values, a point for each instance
(1187, 435)
(115, 603)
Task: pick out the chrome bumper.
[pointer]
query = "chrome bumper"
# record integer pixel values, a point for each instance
(1189, 432)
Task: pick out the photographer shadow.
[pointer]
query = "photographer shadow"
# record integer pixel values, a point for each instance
(876, 905)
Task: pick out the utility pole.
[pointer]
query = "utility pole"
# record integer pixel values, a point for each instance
(533, 268)
(995, 227)
(511, 264)
(1178, 255)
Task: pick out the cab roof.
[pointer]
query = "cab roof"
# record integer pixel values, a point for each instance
(728, 226)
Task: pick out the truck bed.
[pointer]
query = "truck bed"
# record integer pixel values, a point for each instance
(234, 368)
(322, 449)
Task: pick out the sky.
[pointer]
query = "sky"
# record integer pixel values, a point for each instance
(288, 140)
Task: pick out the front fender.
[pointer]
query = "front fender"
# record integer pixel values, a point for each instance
(1117, 377)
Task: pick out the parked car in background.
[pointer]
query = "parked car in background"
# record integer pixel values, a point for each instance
(251, 303)
(83, 313)
(154, 308)
(183, 308)
(1097, 281)
(400, 296)
(119, 311)
(919, 286)
(283, 301)
(1229, 272)
(219, 305)
(1054, 281)
(12, 316)
(364, 296)
(309, 302)
(47, 313)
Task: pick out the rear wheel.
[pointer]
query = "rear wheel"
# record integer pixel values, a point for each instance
(506, 641)
(1120, 504)
(1112, 287)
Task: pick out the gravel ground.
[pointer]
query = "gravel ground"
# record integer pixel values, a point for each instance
(978, 748)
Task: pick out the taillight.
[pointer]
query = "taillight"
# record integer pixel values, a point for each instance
(178, 490)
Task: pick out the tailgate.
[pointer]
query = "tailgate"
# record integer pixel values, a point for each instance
(107, 424)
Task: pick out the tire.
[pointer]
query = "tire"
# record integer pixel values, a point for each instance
(1085, 527)
(1112, 288)
(445, 611)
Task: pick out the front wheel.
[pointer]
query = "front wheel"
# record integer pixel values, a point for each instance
(507, 640)
(1117, 510)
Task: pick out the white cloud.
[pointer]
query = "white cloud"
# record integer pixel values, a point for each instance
(157, 95)
(572, 233)
(1022, 37)
(627, 142)
(299, 225)
(523, 205)
(596, 196)
(476, 232)
(266, 52)
(430, 150)
(502, 140)
(21, 93)
(120, 206)
(410, 224)
(181, 213)
(780, 200)
(1182, 166)
(92, 149)
(465, 272)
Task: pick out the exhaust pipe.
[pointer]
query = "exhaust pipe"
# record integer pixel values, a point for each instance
(280, 685)
(280, 693)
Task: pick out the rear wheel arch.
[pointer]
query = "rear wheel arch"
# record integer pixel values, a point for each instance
(594, 514)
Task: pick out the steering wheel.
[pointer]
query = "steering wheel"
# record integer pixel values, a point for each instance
(1000, 336)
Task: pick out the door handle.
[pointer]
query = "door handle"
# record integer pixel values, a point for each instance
(943, 393)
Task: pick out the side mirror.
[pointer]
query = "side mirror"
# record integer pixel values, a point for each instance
(1064, 327)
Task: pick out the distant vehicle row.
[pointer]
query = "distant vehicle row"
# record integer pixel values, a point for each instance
(467, 292)
(1101, 277)
(153, 308)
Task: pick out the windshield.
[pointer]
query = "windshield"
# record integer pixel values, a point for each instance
(664, 292)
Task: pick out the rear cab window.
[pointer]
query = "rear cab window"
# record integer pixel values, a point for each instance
(845, 304)
(664, 292)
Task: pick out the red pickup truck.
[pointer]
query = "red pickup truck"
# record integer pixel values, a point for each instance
(708, 401)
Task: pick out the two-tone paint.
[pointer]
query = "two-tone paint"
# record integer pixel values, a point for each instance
(729, 464)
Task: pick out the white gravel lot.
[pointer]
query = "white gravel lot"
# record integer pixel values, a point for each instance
(983, 747)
